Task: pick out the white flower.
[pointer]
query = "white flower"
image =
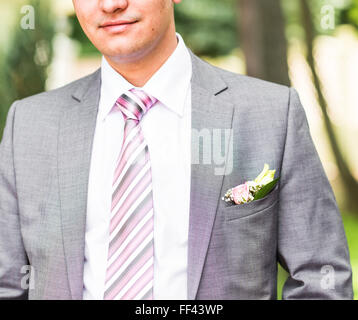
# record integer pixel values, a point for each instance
(266, 176)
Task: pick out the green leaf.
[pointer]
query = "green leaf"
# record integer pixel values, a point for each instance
(265, 190)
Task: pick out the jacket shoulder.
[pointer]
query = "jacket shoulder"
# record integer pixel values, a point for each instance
(256, 95)
(252, 85)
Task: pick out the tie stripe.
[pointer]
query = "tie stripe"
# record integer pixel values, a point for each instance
(130, 270)
(130, 181)
(130, 265)
(127, 253)
(128, 224)
(133, 110)
(132, 168)
(148, 295)
(128, 155)
(142, 282)
(129, 149)
(124, 247)
(130, 201)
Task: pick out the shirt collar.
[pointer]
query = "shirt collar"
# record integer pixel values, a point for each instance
(169, 84)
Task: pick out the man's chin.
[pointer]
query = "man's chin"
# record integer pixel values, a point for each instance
(122, 53)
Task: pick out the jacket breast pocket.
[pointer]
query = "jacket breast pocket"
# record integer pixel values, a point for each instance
(247, 209)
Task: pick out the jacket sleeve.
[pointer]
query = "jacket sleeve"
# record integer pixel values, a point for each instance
(12, 253)
(312, 245)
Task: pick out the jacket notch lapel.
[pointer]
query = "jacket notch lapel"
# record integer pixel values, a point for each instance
(76, 133)
(210, 112)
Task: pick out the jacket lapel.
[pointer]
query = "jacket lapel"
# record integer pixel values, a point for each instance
(76, 133)
(210, 110)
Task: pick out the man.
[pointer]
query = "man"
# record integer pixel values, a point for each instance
(100, 196)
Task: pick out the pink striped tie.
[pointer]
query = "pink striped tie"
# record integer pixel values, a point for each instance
(129, 273)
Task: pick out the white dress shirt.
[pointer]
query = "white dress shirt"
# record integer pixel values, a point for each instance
(166, 128)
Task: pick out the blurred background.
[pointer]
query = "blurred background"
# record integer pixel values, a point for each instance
(309, 44)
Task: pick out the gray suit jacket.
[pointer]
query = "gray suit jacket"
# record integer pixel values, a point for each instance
(232, 252)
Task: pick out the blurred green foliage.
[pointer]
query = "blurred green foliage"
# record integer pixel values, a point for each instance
(350, 14)
(341, 9)
(350, 222)
(76, 33)
(27, 56)
(209, 27)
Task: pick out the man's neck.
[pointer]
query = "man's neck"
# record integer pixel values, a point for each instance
(139, 71)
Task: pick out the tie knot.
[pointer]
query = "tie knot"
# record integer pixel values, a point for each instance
(135, 103)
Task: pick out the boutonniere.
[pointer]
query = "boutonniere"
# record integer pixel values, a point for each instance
(252, 190)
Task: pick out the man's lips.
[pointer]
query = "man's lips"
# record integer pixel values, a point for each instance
(116, 23)
(117, 26)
